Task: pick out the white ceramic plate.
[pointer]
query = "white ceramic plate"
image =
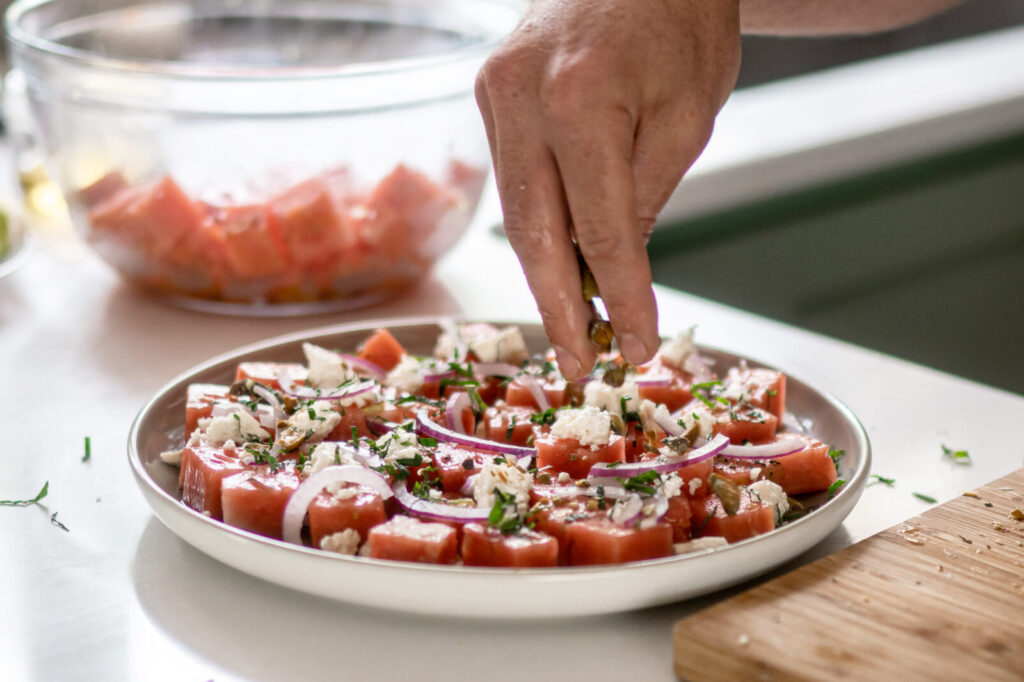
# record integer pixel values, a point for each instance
(458, 590)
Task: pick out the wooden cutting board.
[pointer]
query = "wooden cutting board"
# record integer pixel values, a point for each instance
(938, 597)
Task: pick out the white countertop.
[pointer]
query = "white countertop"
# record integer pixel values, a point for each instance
(119, 597)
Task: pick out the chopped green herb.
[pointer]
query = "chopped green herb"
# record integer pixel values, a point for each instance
(836, 455)
(834, 488)
(882, 479)
(24, 503)
(420, 399)
(543, 418)
(410, 461)
(427, 442)
(600, 498)
(641, 482)
(511, 428)
(988, 504)
(612, 465)
(504, 514)
(698, 529)
(355, 436)
(958, 456)
(927, 498)
(55, 522)
(88, 450)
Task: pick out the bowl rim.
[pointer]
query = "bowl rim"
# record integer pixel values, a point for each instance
(20, 38)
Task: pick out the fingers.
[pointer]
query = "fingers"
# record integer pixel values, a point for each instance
(594, 160)
(537, 226)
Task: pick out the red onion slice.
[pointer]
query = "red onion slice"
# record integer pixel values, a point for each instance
(436, 511)
(536, 390)
(495, 369)
(426, 427)
(660, 509)
(668, 424)
(467, 487)
(381, 426)
(268, 396)
(431, 377)
(298, 503)
(780, 448)
(289, 386)
(364, 367)
(713, 447)
(457, 402)
(627, 511)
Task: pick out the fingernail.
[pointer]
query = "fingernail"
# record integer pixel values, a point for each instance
(633, 349)
(568, 365)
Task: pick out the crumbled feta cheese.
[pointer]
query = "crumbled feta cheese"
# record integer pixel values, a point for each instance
(755, 473)
(675, 351)
(229, 446)
(435, 494)
(325, 455)
(507, 345)
(405, 377)
(327, 369)
(671, 485)
(600, 394)
(343, 542)
(694, 485)
(625, 508)
(509, 479)
(589, 425)
(564, 477)
(699, 416)
(733, 391)
(399, 444)
(239, 426)
(700, 544)
(247, 458)
(172, 457)
(339, 493)
(773, 494)
(317, 420)
(444, 347)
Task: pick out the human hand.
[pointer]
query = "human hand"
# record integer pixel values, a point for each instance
(594, 110)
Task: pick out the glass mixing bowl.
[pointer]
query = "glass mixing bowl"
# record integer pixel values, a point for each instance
(262, 156)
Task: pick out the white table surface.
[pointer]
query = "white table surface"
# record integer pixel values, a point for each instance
(121, 598)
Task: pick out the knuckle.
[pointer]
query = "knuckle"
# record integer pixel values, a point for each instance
(604, 245)
(563, 90)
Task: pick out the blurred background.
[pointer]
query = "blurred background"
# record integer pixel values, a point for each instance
(922, 258)
(918, 256)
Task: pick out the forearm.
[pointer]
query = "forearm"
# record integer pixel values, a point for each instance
(834, 17)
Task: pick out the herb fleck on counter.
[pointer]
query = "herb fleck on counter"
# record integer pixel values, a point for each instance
(24, 503)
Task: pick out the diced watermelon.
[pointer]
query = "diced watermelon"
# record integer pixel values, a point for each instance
(330, 514)
(600, 541)
(748, 426)
(679, 517)
(252, 248)
(203, 469)
(153, 218)
(408, 539)
(313, 225)
(199, 402)
(254, 500)
(517, 395)
(566, 454)
(498, 421)
(382, 349)
(709, 518)
(483, 546)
